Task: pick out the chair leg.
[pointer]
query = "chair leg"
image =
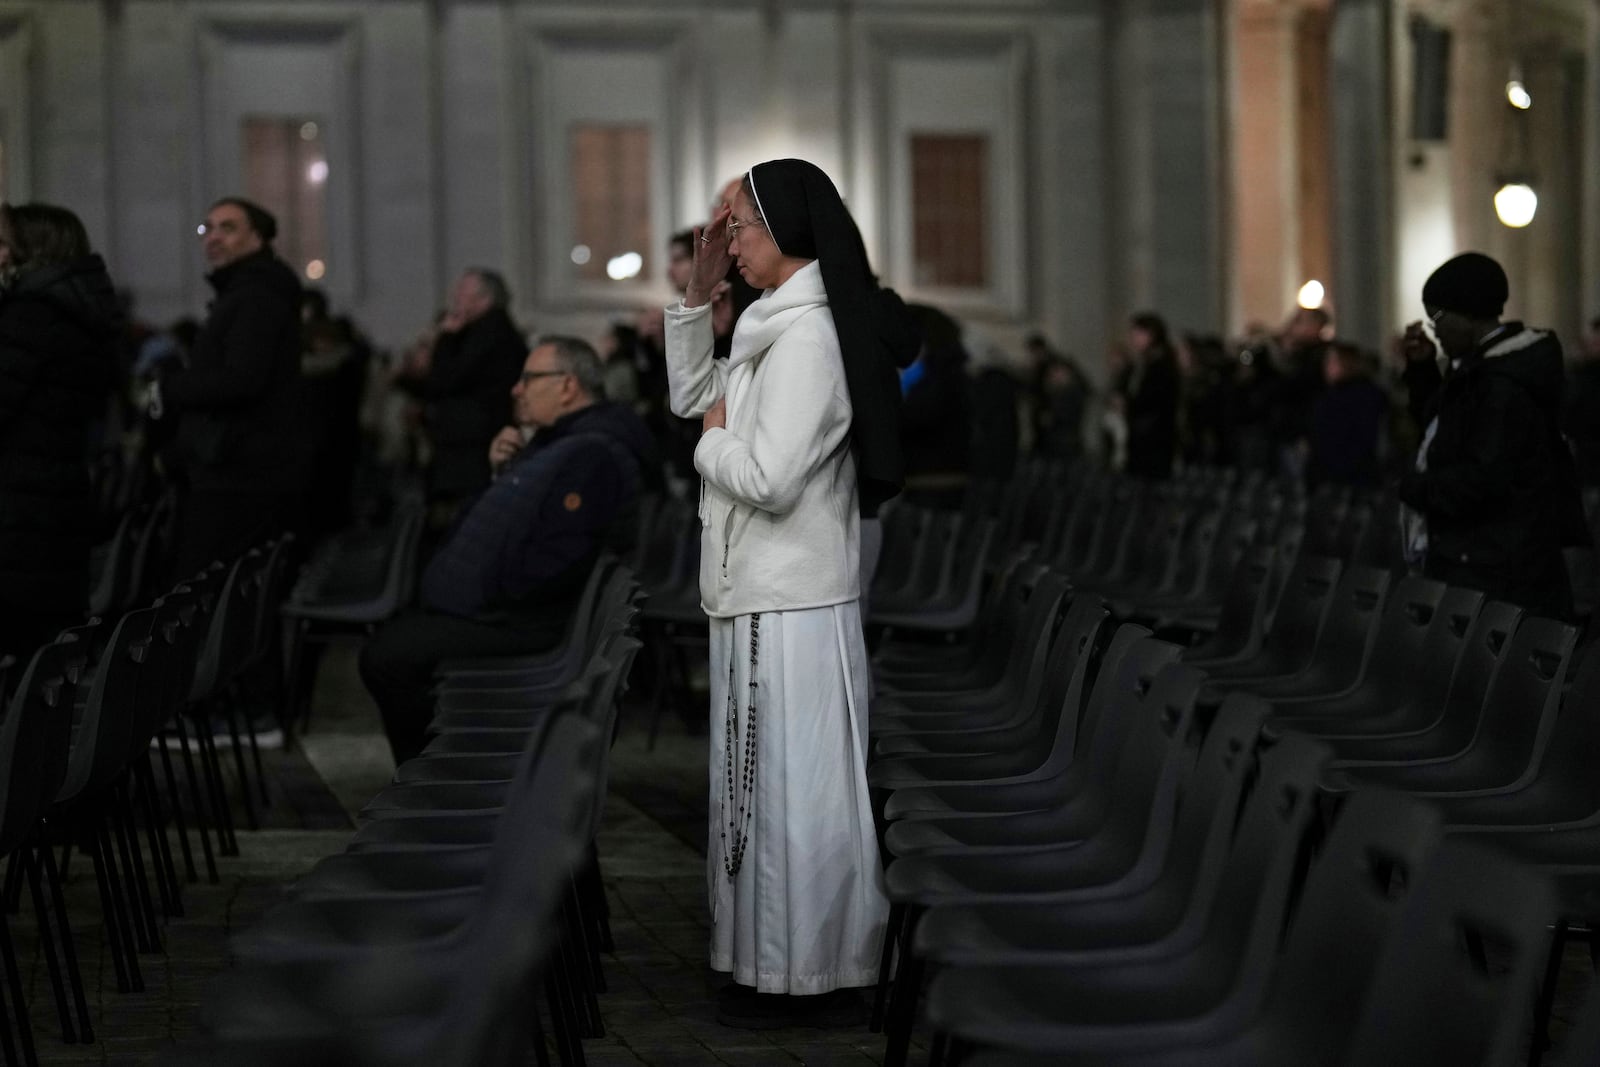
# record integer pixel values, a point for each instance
(19, 1004)
(130, 930)
(113, 935)
(47, 942)
(230, 712)
(178, 820)
(1547, 994)
(255, 754)
(156, 835)
(602, 905)
(8, 1042)
(200, 820)
(68, 947)
(902, 1015)
(12, 892)
(880, 996)
(133, 862)
(211, 764)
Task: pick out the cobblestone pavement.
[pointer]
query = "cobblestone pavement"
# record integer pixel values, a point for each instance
(659, 1007)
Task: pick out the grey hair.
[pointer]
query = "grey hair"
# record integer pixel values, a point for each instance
(578, 358)
(494, 285)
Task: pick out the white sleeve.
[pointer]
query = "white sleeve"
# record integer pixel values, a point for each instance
(804, 416)
(692, 385)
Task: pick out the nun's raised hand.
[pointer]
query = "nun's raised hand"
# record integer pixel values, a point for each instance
(711, 258)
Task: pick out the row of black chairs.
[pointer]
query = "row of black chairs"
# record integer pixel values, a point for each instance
(87, 712)
(472, 889)
(1117, 847)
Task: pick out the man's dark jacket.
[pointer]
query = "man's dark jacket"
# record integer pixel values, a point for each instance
(468, 393)
(240, 428)
(57, 345)
(1498, 494)
(1152, 414)
(524, 547)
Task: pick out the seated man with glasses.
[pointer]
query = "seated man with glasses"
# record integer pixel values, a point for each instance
(505, 581)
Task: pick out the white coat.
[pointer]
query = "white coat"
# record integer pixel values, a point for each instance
(779, 519)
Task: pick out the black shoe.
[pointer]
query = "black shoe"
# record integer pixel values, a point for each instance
(743, 1008)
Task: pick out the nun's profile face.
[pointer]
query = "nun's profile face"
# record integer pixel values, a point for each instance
(752, 247)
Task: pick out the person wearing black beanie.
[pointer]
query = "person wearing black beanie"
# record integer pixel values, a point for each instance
(1492, 497)
(801, 442)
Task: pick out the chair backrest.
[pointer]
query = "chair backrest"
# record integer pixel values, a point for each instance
(152, 550)
(1355, 894)
(230, 628)
(963, 586)
(1128, 670)
(1351, 626)
(400, 583)
(1456, 715)
(1427, 679)
(1403, 631)
(36, 723)
(904, 546)
(1519, 707)
(1028, 661)
(542, 836)
(1210, 803)
(104, 728)
(110, 592)
(1159, 755)
(656, 555)
(1242, 927)
(1307, 598)
(1434, 1002)
(1066, 673)
(1240, 624)
(1569, 757)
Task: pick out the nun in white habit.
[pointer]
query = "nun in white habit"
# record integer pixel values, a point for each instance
(800, 440)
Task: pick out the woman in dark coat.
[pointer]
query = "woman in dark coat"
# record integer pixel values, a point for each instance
(57, 343)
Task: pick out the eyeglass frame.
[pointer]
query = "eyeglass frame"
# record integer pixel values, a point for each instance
(1430, 324)
(736, 224)
(530, 375)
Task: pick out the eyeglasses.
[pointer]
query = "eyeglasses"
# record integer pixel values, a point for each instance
(735, 225)
(530, 375)
(1430, 325)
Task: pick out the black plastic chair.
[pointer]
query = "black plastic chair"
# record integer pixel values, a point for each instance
(1042, 719)
(1291, 639)
(1159, 919)
(938, 787)
(1444, 709)
(1343, 645)
(1349, 909)
(1512, 732)
(1422, 626)
(409, 992)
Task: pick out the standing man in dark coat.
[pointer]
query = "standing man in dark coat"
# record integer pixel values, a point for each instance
(240, 442)
(58, 336)
(475, 362)
(1493, 480)
(1149, 392)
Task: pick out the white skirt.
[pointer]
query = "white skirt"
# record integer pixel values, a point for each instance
(806, 912)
